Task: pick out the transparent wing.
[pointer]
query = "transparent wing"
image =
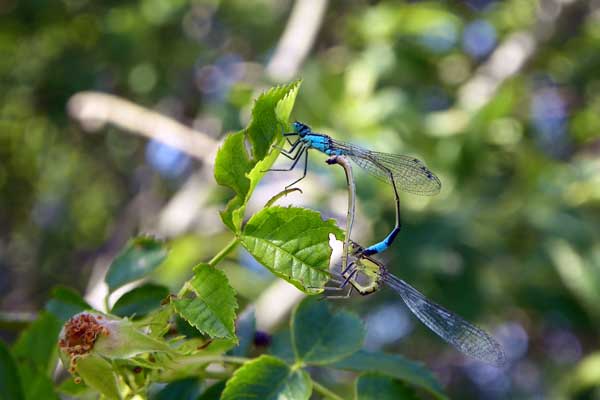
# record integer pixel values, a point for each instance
(463, 335)
(410, 174)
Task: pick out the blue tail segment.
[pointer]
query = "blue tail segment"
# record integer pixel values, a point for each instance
(383, 245)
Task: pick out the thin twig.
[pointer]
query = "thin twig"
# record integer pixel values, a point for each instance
(221, 254)
(297, 39)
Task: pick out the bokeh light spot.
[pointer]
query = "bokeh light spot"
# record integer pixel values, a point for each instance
(143, 78)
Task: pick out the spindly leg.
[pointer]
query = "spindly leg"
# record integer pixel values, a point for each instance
(342, 287)
(296, 159)
(286, 135)
(343, 296)
(305, 167)
(289, 153)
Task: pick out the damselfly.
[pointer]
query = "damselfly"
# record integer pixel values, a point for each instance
(367, 275)
(402, 172)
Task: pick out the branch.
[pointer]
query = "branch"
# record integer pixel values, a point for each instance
(93, 110)
(297, 39)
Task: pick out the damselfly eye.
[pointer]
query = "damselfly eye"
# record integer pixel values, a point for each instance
(300, 128)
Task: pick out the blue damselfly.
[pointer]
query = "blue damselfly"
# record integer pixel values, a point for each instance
(402, 172)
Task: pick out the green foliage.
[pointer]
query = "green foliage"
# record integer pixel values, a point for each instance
(245, 329)
(238, 170)
(140, 300)
(374, 386)
(35, 353)
(10, 381)
(36, 347)
(184, 389)
(66, 302)
(267, 378)
(293, 243)
(212, 311)
(322, 337)
(99, 374)
(213, 392)
(140, 257)
(394, 366)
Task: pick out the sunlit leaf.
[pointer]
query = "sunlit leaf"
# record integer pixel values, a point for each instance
(241, 171)
(98, 373)
(320, 336)
(267, 378)
(293, 243)
(212, 311)
(70, 388)
(231, 166)
(270, 110)
(394, 366)
(140, 256)
(373, 386)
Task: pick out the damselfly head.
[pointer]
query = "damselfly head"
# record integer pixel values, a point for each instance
(301, 129)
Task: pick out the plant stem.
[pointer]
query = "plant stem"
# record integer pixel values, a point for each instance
(328, 394)
(226, 250)
(196, 359)
(106, 302)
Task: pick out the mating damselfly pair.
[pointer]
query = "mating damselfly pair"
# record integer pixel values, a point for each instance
(365, 274)
(402, 172)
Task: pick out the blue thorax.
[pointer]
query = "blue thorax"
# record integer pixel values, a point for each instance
(316, 141)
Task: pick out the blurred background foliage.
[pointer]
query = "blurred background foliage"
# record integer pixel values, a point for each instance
(499, 98)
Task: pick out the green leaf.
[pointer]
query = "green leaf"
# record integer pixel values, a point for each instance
(240, 171)
(293, 243)
(98, 374)
(140, 301)
(10, 381)
(373, 386)
(66, 302)
(281, 346)
(36, 347)
(267, 378)
(72, 389)
(139, 257)
(214, 392)
(395, 366)
(322, 337)
(38, 385)
(245, 329)
(212, 311)
(270, 110)
(35, 353)
(231, 166)
(183, 389)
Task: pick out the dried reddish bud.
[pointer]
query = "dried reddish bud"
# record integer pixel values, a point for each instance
(80, 333)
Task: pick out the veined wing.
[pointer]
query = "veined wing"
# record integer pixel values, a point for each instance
(463, 335)
(410, 174)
